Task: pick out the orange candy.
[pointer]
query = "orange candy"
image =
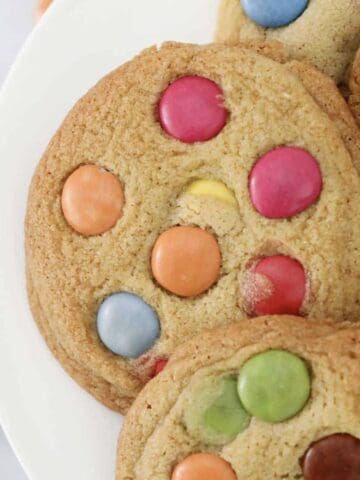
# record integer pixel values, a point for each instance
(92, 200)
(203, 466)
(186, 261)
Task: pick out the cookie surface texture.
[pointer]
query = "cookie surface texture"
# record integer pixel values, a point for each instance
(112, 305)
(156, 441)
(323, 33)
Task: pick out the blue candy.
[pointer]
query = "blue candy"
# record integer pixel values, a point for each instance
(127, 325)
(274, 13)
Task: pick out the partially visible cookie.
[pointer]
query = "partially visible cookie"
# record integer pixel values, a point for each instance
(325, 33)
(354, 84)
(42, 6)
(275, 398)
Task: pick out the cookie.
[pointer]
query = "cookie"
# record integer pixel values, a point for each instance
(42, 6)
(354, 84)
(276, 397)
(323, 33)
(151, 217)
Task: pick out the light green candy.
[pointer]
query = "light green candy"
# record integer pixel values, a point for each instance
(214, 414)
(274, 386)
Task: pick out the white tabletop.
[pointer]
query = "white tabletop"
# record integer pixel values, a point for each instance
(40, 424)
(16, 21)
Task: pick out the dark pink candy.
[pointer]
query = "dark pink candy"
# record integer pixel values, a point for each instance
(284, 182)
(192, 110)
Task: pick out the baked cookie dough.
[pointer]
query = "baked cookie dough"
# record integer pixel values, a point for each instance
(324, 33)
(275, 397)
(192, 187)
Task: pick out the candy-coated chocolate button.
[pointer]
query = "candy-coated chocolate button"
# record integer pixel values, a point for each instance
(127, 325)
(286, 286)
(159, 366)
(336, 457)
(203, 466)
(215, 415)
(212, 188)
(274, 385)
(186, 261)
(92, 200)
(191, 109)
(226, 417)
(285, 182)
(274, 13)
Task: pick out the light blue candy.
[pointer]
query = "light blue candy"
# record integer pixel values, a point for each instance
(127, 325)
(274, 13)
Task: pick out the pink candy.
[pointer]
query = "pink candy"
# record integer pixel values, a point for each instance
(284, 182)
(191, 109)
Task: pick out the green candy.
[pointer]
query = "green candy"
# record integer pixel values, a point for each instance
(274, 386)
(214, 414)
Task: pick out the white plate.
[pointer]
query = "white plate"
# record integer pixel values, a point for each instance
(58, 431)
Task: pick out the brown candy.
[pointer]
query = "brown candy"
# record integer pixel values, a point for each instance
(336, 457)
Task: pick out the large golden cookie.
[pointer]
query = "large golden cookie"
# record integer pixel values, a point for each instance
(115, 127)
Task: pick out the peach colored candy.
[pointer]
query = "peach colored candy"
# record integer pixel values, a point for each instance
(186, 261)
(203, 466)
(92, 200)
(42, 6)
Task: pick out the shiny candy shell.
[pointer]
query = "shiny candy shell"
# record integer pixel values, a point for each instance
(92, 200)
(274, 13)
(127, 325)
(212, 188)
(186, 261)
(284, 182)
(283, 285)
(274, 385)
(336, 457)
(203, 466)
(191, 109)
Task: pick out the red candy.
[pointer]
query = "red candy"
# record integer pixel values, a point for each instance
(159, 366)
(287, 281)
(191, 109)
(285, 182)
(336, 457)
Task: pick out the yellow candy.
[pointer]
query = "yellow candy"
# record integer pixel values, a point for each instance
(212, 188)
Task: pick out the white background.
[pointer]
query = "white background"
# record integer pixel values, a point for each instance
(76, 44)
(16, 21)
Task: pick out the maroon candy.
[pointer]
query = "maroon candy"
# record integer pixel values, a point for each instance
(336, 457)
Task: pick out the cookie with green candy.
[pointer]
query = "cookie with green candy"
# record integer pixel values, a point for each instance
(277, 397)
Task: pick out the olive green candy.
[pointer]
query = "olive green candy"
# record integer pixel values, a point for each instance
(214, 414)
(274, 386)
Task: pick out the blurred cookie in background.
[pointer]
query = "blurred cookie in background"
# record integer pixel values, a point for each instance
(42, 6)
